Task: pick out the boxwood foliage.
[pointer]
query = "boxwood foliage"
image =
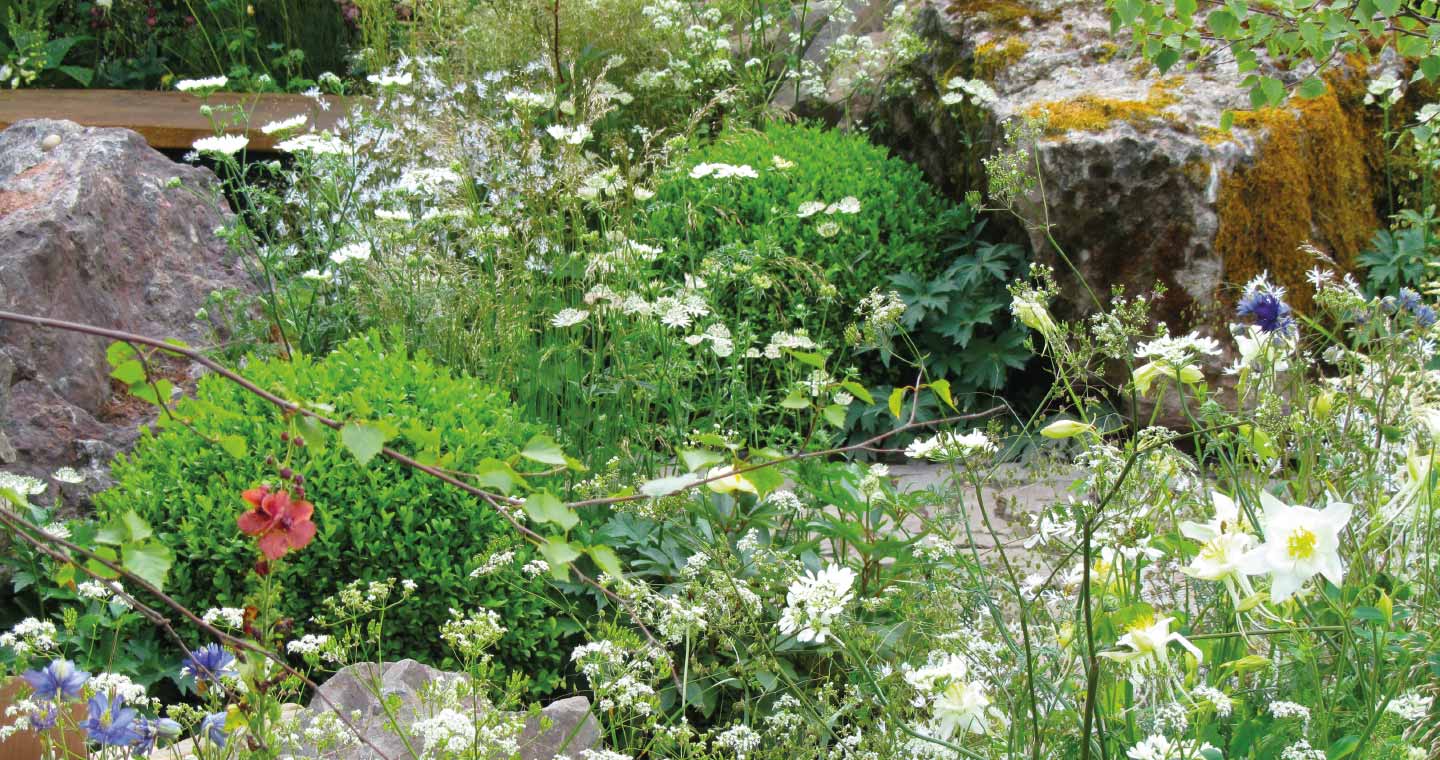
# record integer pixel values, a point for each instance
(751, 228)
(374, 521)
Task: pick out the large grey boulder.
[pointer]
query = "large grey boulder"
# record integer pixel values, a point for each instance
(1141, 184)
(564, 727)
(95, 227)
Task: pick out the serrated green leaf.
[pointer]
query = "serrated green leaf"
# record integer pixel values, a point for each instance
(806, 357)
(605, 559)
(942, 389)
(544, 507)
(796, 399)
(858, 391)
(150, 560)
(234, 445)
(543, 449)
(696, 460)
(497, 476)
(1311, 88)
(897, 398)
(559, 553)
(129, 372)
(362, 441)
(118, 352)
(834, 414)
(313, 431)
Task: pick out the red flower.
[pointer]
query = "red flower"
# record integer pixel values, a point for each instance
(281, 524)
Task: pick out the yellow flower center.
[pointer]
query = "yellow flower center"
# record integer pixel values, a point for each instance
(1302, 544)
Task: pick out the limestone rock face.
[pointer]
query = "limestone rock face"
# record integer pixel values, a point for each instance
(95, 227)
(568, 727)
(1141, 185)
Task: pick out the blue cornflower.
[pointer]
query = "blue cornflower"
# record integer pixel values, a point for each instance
(1424, 315)
(58, 679)
(1408, 300)
(213, 728)
(111, 722)
(1265, 307)
(209, 663)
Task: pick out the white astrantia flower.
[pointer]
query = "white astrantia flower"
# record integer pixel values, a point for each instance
(815, 601)
(809, 209)
(68, 475)
(284, 125)
(847, 205)
(23, 485)
(781, 163)
(227, 145)
(1146, 646)
(723, 171)
(1299, 543)
(568, 317)
(946, 446)
(206, 83)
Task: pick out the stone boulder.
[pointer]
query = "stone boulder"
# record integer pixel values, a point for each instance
(1141, 184)
(564, 727)
(95, 227)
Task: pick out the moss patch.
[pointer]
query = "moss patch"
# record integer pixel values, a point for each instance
(1088, 113)
(993, 57)
(1311, 182)
(1008, 14)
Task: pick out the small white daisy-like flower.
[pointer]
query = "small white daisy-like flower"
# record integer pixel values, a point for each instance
(227, 145)
(568, 317)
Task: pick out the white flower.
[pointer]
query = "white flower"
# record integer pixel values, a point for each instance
(318, 144)
(207, 83)
(229, 617)
(68, 475)
(390, 80)
(574, 136)
(1411, 706)
(847, 205)
(781, 163)
(23, 485)
(1299, 542)
(1155, 747)
(284, 125)
(227, 145)
(827, 229)
(729, 481)
(814, 601)
(568, 317)
(723, 171)
(1148, 645)
(946, 446)
(809, 208)
(353, 252)
(1031, 311)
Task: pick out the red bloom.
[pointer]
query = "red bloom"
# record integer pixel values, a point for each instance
(281, 524)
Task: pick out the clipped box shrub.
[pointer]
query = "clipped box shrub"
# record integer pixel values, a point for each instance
(902, 224)
(375, 521)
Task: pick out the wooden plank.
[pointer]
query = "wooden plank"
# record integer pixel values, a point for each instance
(170, 120)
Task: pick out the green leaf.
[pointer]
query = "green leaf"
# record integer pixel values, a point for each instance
(543, 449)
(665, 486)
(312, 431)
(1274, 90)
(83, 76)
(858, 391)
(129, 372)
(150, 560)
(1227, 120)
(1343, 747)
(942, 389)
(834, 414)
(897, 397)
(765, 480)
(1222, 22)
(544, 507)
(125, 528)
(118, 352)
(813, 359)
(362, 441)
(1311, 88)
(234, 445)
(796, 399)
(497, 476)
(1387, 8)
(559, 553)
(605, 559)
(696, 460)
(1167, 58)
(1430, 67)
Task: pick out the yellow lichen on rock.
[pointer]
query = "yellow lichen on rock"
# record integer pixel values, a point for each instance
(1089, 113)
(1310, 182)
(1003, 13)
(993, 57)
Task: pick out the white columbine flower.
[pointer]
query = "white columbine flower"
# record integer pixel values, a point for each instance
(814, 601)
(1148, 643)
(729, 481)
(1031, 311)
(1299, 542)
(227, 145)
(1225, 543)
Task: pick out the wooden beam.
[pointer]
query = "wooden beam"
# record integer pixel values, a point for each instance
(171, 120)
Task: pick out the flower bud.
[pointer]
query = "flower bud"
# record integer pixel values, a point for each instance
(1066, 429)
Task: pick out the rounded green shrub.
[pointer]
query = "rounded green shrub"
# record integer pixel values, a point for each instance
(374, 521)
(791, 219)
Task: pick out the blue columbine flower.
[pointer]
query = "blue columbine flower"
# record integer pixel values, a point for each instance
(210, 663)
(1265, 307)
(44, 721)
(58, 679)
(213, 728)
(111, 722)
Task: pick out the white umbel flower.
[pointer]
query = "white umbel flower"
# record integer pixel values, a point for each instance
(814, 602)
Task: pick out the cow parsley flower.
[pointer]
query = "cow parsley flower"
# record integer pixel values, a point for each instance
(226, 145)
(814, 601)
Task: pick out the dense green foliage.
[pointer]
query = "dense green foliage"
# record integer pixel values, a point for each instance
(376, 521)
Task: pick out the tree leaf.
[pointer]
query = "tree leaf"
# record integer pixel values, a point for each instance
(858, 391)
(606, 559)
(897, 397)
(834, 414)
(665, 486)
(150, 560)
(362, 441)
(544, 507)
(543, 449)
(696, 460)
(1311, 88)
(559, 553)
(234, 445)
